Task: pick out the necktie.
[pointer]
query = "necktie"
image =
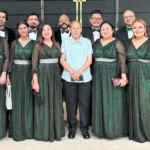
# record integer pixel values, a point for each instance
(3, 30)
(30, 31)
(93, 29)
(64, 31)
(128, 28)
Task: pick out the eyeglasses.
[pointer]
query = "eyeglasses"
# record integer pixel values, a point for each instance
(126, 17)
(96, 19)
(63, 21)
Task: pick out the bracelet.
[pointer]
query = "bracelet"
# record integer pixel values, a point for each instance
(124, 79)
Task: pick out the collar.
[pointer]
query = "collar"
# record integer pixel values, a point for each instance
(79, 41)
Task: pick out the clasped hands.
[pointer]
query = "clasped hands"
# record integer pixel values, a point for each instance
(75, 75)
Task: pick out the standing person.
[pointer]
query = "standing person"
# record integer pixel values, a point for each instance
(33, 21)
(21, 120)
(125, 33)
(138, 60)
(93, 33)
(48, 117)
(5, 32)
(76, 59)
(63, 32)
(4, 62)
(107, 100)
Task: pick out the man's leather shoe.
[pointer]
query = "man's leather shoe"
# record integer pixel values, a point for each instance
(86, 135)
(71, 135)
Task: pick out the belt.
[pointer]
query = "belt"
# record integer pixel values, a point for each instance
(48, 61)
(141, 60)
(22, 62)
(105, 59)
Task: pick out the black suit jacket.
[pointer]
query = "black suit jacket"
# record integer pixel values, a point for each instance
(10, 35)
(58, 36)
(88, 33)
(122, 35)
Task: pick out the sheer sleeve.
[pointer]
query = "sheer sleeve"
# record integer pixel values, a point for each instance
(6, 56)
(121, 57)
(35, 59)
(11, 60)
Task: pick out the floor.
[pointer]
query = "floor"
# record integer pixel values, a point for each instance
(78, 143)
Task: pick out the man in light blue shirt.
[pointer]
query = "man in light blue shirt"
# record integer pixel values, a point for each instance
(76, 59)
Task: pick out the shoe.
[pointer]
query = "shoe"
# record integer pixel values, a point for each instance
(71, 135)
(86, 135)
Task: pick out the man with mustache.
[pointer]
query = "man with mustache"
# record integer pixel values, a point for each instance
(63, 32)
(33, 21)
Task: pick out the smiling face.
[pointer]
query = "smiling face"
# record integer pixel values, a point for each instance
(47, 32)
(128, 17)
(106, 31)
(23, 30)
(64, 21)
(96, 20)
(139, 29)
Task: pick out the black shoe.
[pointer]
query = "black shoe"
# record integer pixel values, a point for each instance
(86, 135)
(71, 135)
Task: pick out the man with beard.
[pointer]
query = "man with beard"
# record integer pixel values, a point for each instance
(33, 21)
(93, 33)
(62, 33)
(5, 32)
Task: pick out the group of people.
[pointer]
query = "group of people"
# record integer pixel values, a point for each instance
(79, 66)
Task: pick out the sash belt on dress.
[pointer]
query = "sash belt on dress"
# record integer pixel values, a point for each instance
(141, 60)
(105, 59)
(22, 62)
(48, 61)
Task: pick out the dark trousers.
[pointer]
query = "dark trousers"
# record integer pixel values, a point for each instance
(77, 94)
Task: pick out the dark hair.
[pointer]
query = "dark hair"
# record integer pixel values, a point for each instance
(96, 12)
(22, 22)
(110, 24)
(4, 11)
(40, 39)
(33, 14)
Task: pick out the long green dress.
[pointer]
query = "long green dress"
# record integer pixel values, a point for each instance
(139, 92)
(4, 61)
(21, 121)
(48, 117)
(108, 119)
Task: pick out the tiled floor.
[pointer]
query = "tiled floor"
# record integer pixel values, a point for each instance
(78, 143)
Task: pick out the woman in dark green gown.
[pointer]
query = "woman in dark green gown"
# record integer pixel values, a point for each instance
(4, 62)
(48, 116)
(21, 120)
(138, 62)
(107, 101)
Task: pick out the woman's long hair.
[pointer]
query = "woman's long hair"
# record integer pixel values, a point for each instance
(40, 39)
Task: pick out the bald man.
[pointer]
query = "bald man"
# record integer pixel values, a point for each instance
(76, 59)
(63, 32)
(125, 33)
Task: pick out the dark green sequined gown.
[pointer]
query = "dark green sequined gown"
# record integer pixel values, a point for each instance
(108, 119)
(4, 61)
(48, 117)
(21, 121)
(139, 93)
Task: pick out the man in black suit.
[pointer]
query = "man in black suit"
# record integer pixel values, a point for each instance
(63, 32)
(5, 32)
(93, 33)
(33, 21)
(125, 33)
